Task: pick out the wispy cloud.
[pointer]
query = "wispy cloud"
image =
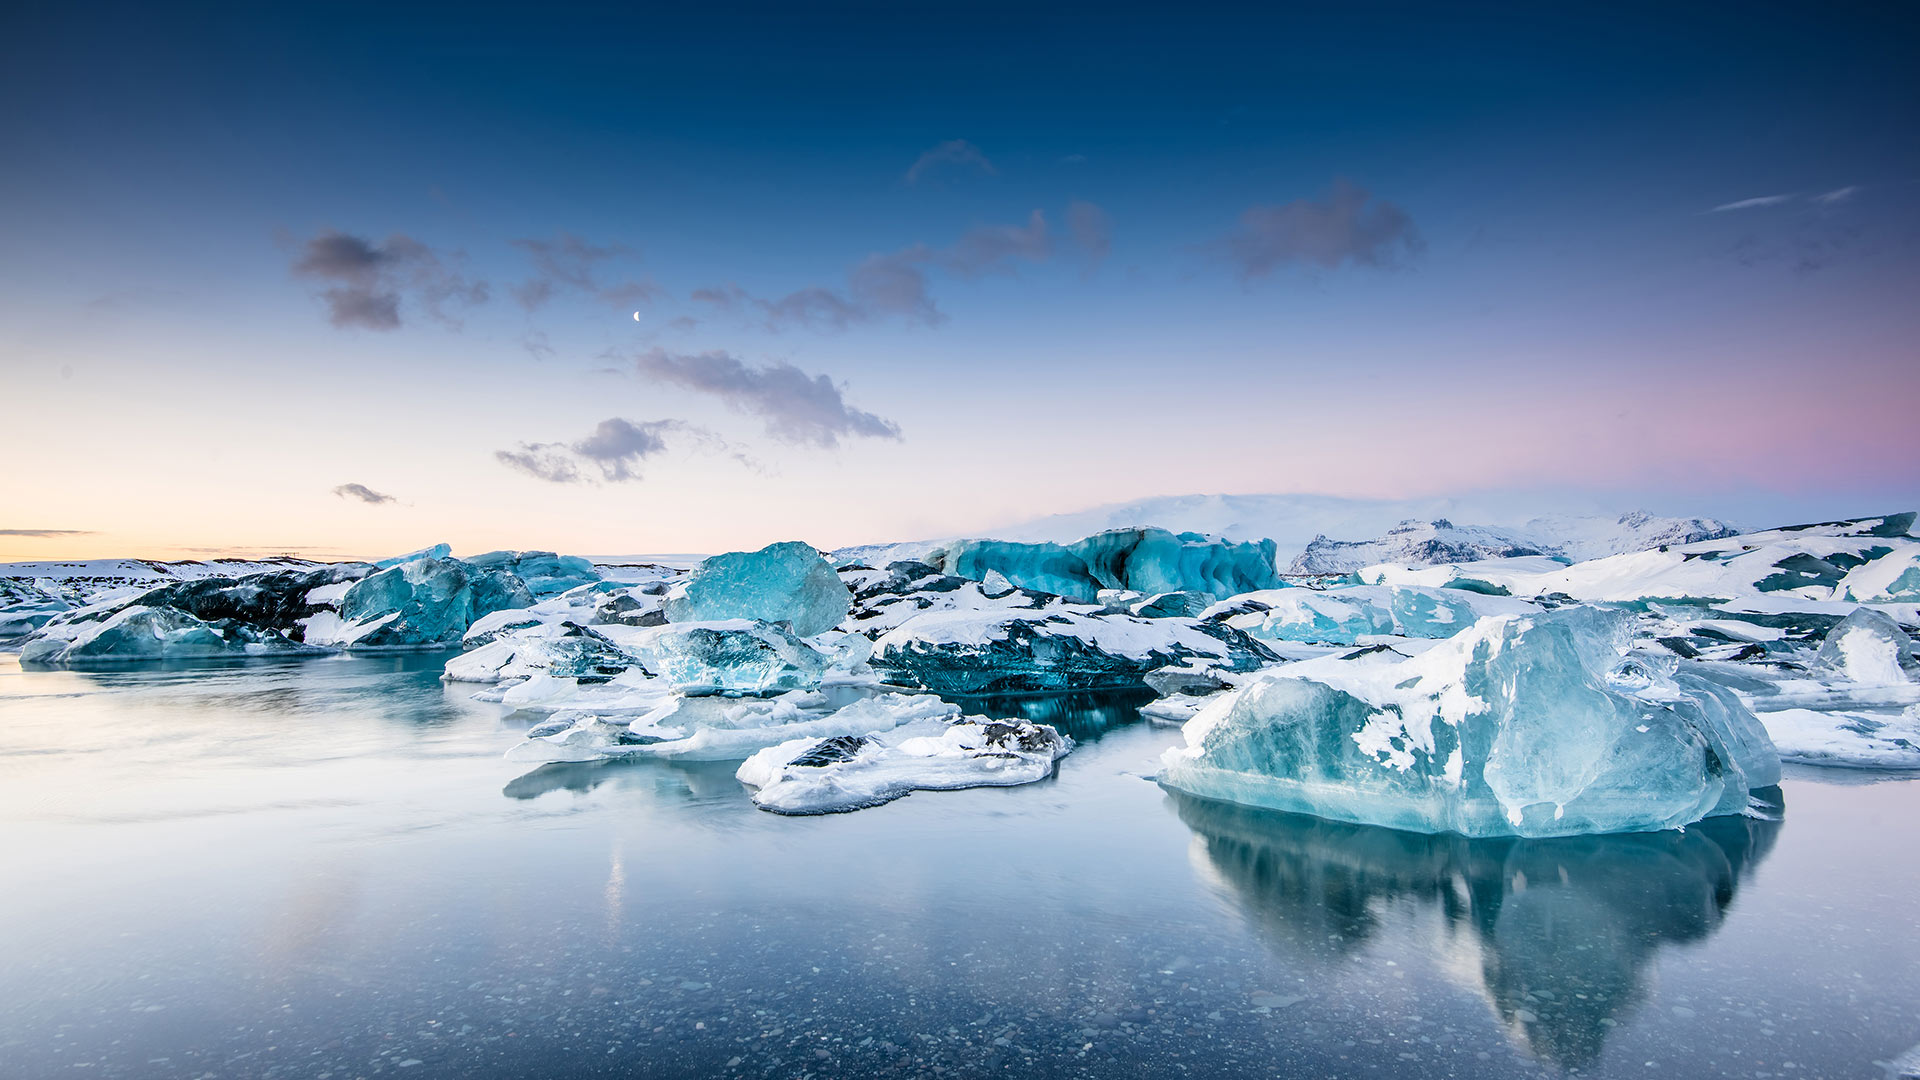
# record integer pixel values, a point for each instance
(46, 533)
(363, 493)
(1754, 203)
(616, 447)
(1347, 225)
(797, 407)
(954, 154)
(891, 284)
(1837, 195)
(367, 282)
(569, 262)
(1091, 230)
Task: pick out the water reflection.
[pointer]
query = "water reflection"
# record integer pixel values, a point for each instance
(675, 781)
(1558, 933)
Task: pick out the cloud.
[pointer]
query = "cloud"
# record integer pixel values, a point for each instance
(1837, 195)
(46, 533)
(988, 248)
(957, 153)
(364, 493)
(537, 345)
(616, 447)
(367, 282)
(1753, 204)
(797, 407)
(1091, 230)
(1349, 225)
(569, 262)
(891, 284)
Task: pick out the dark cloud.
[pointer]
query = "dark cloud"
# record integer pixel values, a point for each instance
(43, 533)
(366, 283)
(569, 262)
(797, 407)
(616, 447)
(364, 493)
(952, 154)
(1348, 225)
(1091, 230)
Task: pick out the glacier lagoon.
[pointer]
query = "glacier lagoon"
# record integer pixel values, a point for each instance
(326, 867)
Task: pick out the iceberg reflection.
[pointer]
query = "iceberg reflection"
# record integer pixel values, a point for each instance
(1558, 933)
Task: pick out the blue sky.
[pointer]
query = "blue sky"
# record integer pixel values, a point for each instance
(976, 265)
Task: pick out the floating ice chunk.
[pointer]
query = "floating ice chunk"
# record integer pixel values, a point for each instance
(543, 572)
(784, 583)
(563, 650)
(852, 772)
(1345, 615)
(1523, 725)
(1868, 647)
(1851, 738)
(205, 617)
(425, 602)
(1141, 560)
(733, 655)
(132, 633)
(1020, 651)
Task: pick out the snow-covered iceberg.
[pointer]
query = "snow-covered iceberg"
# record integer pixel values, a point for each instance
(1536, 725)
(195, 619)
(939, 750)
(781, 583)
(1059, 647)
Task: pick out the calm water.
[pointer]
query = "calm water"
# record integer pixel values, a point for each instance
(325, 869)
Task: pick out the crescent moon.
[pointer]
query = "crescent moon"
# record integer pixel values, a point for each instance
(636, 316)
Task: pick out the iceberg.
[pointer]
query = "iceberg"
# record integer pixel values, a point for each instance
(739, 655)
(1868, 647)
(1345, 615)
(937, 751)
(204, 617)
(781, 583)
(1011, 651)
(1142, 560)
(542, 572)
(422, 603)
(1535, 725)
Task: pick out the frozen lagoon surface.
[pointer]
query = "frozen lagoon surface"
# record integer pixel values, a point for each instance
(325, 868)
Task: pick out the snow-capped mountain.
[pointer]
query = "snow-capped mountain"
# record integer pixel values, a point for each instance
(1576, 539)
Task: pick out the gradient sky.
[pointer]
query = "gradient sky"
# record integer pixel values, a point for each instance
(344, 281)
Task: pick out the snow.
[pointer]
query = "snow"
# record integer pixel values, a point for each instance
(937, 753)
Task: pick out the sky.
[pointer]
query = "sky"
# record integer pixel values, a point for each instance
(347, 281)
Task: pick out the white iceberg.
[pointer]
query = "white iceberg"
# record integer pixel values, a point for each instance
(938, 751)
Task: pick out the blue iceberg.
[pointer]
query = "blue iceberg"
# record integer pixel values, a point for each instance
(1540, 725)
(781, 583)
(422, 603)
(1143, 560)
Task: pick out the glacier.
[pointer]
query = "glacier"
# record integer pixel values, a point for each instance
(1538, 725)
